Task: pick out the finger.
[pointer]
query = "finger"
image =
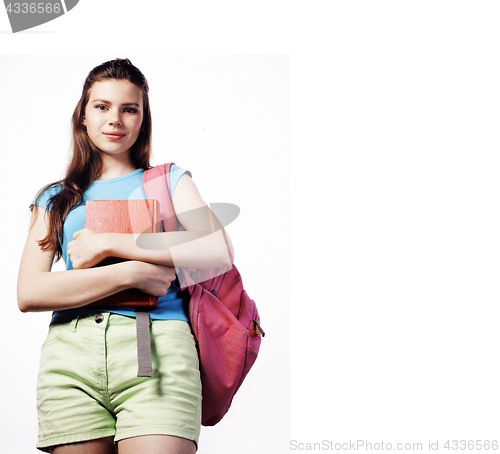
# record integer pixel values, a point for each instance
(77, 234)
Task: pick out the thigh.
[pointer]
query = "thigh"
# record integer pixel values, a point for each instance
(156, 444)
(100, 446)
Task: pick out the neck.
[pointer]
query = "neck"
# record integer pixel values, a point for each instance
(114, 166)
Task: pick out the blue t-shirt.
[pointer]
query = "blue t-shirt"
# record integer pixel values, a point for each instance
(173, 305)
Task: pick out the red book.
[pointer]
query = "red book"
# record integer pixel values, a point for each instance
(124, 216)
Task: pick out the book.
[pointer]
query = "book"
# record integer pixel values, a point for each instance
(124, 216)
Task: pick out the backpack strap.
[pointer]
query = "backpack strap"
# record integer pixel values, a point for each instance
(156, 185)
(143, 344)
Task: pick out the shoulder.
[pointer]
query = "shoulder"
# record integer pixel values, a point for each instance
(46, 193)
(155, 176)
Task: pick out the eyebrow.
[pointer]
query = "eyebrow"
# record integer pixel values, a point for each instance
(109, 102)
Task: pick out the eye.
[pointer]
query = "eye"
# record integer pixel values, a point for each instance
(130, 110)
(101, 107)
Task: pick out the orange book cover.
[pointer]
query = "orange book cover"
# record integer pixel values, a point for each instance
(124, 216)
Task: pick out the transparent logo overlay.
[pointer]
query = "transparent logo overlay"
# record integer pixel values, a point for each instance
(26, 15)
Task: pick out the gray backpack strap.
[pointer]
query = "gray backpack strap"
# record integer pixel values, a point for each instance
(143, 344)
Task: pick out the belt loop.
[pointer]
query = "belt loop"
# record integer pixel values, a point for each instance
(74, 323)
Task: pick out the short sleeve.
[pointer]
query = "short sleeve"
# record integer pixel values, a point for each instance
(175, 175)
(45, 196)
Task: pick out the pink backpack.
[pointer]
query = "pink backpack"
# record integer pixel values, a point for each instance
(224, 319)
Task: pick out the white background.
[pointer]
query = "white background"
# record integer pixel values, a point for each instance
(394, 183)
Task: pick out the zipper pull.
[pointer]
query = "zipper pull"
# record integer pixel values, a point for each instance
(257, 328)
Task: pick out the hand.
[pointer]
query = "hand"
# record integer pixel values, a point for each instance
(87, 248)
(151, 278)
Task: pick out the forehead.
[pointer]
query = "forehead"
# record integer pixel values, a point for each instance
(116, 91)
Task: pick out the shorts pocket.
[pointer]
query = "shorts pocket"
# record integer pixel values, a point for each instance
(172, 341)
(174, 328)
(56, 333)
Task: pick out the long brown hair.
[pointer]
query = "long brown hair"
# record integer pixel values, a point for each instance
(86, 164)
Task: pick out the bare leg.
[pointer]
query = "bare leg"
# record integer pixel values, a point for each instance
(156, 444)
(99, 446)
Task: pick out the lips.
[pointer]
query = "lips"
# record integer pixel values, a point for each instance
(114, 135)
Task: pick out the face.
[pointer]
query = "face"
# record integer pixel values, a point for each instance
(113, 115)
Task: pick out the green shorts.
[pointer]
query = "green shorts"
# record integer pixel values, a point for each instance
(88, 386)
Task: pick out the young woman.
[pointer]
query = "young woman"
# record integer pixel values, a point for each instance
(89, 397)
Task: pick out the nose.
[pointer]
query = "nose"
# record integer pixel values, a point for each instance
(114, 117)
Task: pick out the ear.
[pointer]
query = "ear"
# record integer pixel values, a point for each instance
(84, 122)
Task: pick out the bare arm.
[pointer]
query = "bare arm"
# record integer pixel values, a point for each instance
(204, 244)
(39, 289)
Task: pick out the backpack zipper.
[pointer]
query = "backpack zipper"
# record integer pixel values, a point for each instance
(257, 328)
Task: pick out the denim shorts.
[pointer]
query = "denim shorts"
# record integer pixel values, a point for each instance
(88, 386)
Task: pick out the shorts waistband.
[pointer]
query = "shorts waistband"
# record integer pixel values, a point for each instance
(102, 320)
(99, 319)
